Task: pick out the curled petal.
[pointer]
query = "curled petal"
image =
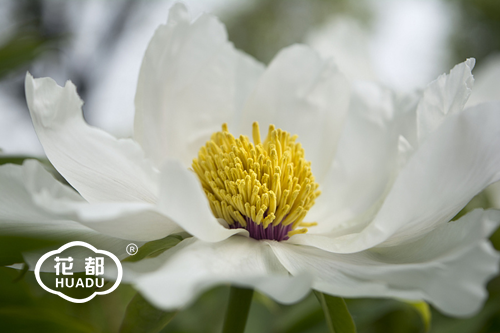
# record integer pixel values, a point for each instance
(304, 95)
(177, 276)
(99, 166)
(455, 163)
(34, 203)
(444, 96)
(191, 81)
(21, 214)
(354, 188)
(182, 199)
(448, 267)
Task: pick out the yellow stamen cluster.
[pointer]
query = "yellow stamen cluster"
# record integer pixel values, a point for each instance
(269, 181)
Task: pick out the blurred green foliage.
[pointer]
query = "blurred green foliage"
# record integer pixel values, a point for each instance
(27, 39)
(26, 307)
(273, 25)
(337, 316)
(21, 49)
(12, 247)
(478, 34)
(141, 316)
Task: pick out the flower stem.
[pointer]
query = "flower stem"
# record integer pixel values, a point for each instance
(238, 307)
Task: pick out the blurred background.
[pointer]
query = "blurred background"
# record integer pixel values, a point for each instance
(404, 44)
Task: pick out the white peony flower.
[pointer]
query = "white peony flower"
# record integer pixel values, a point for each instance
(392, 171)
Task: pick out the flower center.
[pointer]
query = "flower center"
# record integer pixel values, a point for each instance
(265, 187)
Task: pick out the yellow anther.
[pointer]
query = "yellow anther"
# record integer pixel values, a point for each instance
(226, 211)
(299, 219)
(255, 193)
(267, 181)
(272, 202)
(240, 218)
(265, 200)
(276, 186)
(258, 203)
(297, 231)
(248, 210)
(268, 220)
(282, 211)
(253, 214)
(308, 224)
(292, 216)
(218, 208)
(256, 133)
(259, 217)
(285, 196)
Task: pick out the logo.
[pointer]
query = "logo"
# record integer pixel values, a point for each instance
(132, 249)
(79, 269)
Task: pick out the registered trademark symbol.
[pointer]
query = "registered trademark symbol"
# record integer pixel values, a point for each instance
(132, 249)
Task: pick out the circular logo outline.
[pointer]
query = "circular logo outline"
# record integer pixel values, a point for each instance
(67, 246)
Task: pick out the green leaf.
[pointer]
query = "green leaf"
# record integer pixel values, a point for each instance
(337, 315)
(142, 317)
(24, 46)
(238, 307)
(22, 273)
(481, 200)
(305, 321)
(15, 159)
(155, 248)
(40, 319)
(12, 247)
(424, 311)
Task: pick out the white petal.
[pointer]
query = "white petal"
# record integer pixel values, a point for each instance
(20, 215)
(304, 95)
(192, 80)
(183, 200)
(444, 96)
(134, 221)
(460, 160)
(366, 162)
(34, 202)
(177, 276)
(454, 164)
(18, 212)
(448, 268)
(99, 166)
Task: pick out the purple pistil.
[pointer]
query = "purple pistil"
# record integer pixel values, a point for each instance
(278, 233)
